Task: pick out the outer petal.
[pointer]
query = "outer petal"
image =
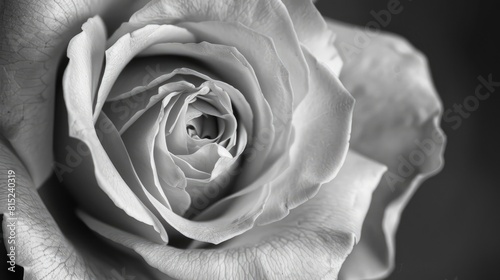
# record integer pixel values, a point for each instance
(396, 122)
(77, 86)
(311, 243)
(313, 32)
(33, 37)
(41, 248)
(322, 125)
(268, 17)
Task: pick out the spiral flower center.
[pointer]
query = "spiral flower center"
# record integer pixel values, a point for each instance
(183, 123)
(203, 127)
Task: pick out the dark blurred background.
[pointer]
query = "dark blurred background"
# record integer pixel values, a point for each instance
(450, 229)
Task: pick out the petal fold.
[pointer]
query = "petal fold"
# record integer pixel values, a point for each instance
(77, 86)
(322, 125)
(313, 32)
(310, 243)
(396, 122)
(268, 17)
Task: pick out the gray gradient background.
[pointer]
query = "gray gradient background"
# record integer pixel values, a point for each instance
(450, 229)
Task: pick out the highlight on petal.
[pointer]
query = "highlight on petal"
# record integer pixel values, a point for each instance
(268, 17)
(77, 86)
(322, 125)
(310, 243)
(261, 54)
(313, 32)
(396, 122)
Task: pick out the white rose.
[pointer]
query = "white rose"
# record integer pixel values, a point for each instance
(217, 121)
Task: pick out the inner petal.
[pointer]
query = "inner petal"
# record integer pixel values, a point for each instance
(144, 73)
(203, 127)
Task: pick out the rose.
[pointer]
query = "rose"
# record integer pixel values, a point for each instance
(264, 153)
(324, 228)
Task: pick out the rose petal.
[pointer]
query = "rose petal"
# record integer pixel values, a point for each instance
(208, 157)
(127, 47)
(33, 38)
(124, 108)
(169, 173)
(239, 217)
(77, 86)
(312, 242)
(144, 73)
(268, 17)
(41, 248)
(328, 104)
(139, 141)
(168, 164)
(261, 53)
(126, 111)
(231, 65)
(313, 32)
(340, 205)
(396, 122)
(322, 125)
(113, 144)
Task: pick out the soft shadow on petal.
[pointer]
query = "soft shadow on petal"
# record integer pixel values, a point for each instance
(41, 248)
(127, 47)
(33, 37)
(322, 125)
(396, 122)
(313, 32)
(310, 243)
(77, 86)
(268, 17)
(239, 217)
(144, 74)
(140, 141)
